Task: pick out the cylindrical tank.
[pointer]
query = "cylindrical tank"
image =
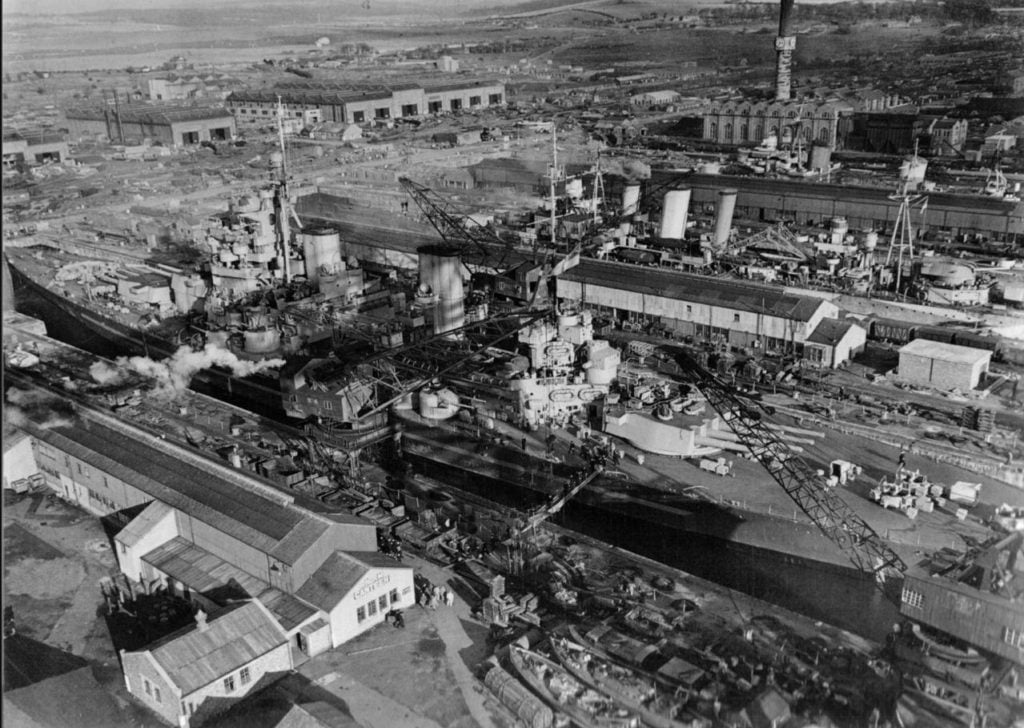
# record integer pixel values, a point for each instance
(322, 249)
(840, 227)
(441, 270)
(821, 157)
(723, 215)
(262, 341)
(630, 199)
(673, 215)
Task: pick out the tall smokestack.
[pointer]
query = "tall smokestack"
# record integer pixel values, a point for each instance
(785, 43)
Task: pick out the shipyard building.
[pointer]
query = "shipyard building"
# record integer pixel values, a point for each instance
(943, 366)
(739, 315)
(314, 101)
(864, 208)
(174, 126)
(213, 534)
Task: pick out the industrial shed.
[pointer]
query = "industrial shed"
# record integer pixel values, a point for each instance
(834, 342)
(171, 125)
(737, 314)
(943, 366)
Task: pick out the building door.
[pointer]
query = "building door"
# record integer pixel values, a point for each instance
(301, 643)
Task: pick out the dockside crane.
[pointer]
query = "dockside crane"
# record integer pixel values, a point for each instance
(829, 512)
(476, 244)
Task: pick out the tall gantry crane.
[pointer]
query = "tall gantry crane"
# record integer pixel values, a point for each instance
(477, 245)
(831, 514)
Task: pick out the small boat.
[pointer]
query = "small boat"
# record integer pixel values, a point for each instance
(625, 686)
(585, 707)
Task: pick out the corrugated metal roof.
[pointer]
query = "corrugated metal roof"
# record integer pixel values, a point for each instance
(214, 577)
(194, 658)
(150, 114)
(338, 574)
(945, 352)
(200, 493)
(772, 301)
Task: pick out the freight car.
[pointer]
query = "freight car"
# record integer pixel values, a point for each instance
(899, 332)
(891, 330)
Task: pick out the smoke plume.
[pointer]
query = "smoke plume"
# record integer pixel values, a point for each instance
(173, 374)
(38, 407)
(632, 169)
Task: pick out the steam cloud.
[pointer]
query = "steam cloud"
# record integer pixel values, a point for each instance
(632, 169)
(173, 374)
(38, 407)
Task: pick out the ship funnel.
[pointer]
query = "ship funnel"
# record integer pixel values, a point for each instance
(631, 200)
(785, 44)
(441, 271)
(723, 216)
(673, 215)
(321, 247)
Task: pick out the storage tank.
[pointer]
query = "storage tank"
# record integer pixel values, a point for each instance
(441, 270)
(631, 199)
(723, 215)
(262, 341)
(321, 248)
(673, 214)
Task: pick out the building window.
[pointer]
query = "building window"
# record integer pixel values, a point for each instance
(361, 614)
(184, 708)
(494, 98)
(1013, 637)
(735, 318)
(382, 113)
(229, 684)
(371, 608)
(156, 694)
(147, 687)
(456, 104)
(410, 110)
(689, 308)
(394, 596)
(474, 100)
(244, 676)
(358, 117)
(913, 599)
(434, 107)
(383, 603)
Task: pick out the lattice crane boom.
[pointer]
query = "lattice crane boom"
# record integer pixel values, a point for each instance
(477, 245)
(830, 513)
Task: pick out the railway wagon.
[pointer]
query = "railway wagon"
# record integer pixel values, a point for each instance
(892, 330)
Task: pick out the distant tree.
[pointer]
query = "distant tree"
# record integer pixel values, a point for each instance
(970, 12)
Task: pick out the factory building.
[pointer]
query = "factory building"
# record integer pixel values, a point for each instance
(360, 106)
(747, 122)
(173, 126)
(943, 366)
(738, 315)
(182, 88)
(208, 532)
(33, 148)
(206, 667)
(864, 208)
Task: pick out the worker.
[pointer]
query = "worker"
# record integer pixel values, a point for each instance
(903, 460)
(399, 620)
(449, 597)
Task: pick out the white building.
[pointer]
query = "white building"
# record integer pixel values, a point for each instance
(834, 342)
(208, 666)
(19, 459)
(943, 366)
(356, 590)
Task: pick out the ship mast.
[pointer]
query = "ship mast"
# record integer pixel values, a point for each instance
(554, 177)
(283, 228)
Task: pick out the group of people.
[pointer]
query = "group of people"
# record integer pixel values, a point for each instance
(437, 595)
